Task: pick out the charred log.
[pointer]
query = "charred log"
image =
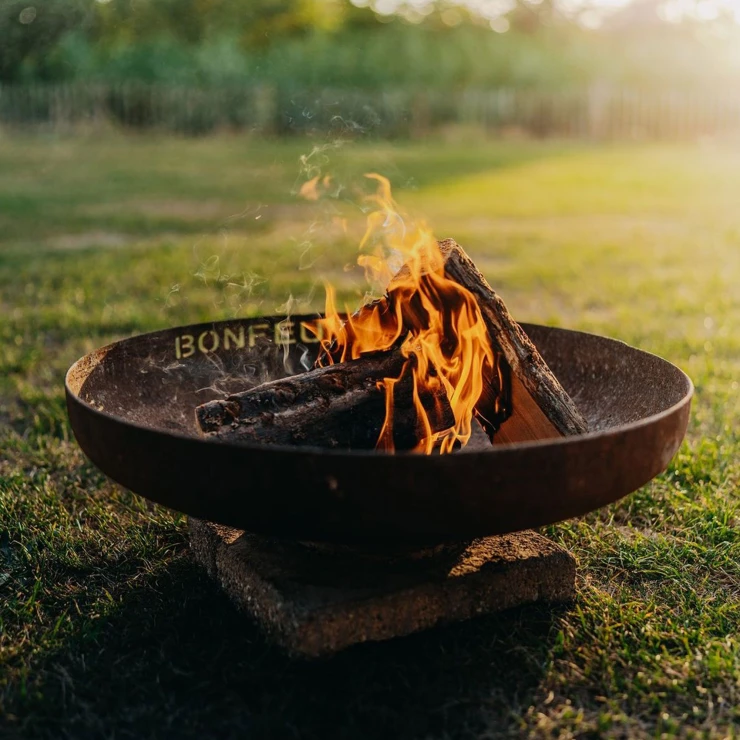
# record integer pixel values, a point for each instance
(338, 406)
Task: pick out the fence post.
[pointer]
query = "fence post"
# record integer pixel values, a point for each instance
(420, 114)
(598, 110)
(265, 108)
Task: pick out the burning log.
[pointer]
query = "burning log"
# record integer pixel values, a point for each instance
(338, 406)
(521, 398)
(539, 400)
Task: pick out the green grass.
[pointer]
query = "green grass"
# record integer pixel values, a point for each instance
(107, 629)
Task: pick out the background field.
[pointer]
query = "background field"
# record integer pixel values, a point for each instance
(107, 629)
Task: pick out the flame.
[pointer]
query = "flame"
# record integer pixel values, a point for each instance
(314, 188)
(435, 321)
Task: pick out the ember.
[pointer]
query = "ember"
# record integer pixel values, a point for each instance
(440, 346)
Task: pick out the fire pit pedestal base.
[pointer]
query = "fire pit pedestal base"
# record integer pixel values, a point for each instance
(316, 599)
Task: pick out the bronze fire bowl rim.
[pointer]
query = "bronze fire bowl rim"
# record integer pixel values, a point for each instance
(97, 356)
(248, 486)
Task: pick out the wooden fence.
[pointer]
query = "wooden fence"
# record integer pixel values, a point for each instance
(598, 112)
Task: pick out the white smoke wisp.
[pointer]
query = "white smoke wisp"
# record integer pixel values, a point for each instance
(285, 330)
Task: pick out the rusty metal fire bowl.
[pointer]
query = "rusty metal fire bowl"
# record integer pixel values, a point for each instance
(131, 405)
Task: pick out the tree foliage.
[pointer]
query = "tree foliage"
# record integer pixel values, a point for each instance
(257, 22)
(30, 31)
(324, 43)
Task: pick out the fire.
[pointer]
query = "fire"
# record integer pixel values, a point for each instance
(312, 189)
(435, 321)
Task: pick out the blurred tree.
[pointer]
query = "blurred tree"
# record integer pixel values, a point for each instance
(31, 28)
(256, 22)
(529, 17)
(361, 44)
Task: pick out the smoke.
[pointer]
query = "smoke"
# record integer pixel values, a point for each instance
(274, 256)
(284, 329)
(304, 360)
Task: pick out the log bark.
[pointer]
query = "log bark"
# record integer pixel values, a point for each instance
(526, 363)
(338, 406)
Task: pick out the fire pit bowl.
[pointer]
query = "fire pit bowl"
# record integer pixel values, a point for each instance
(131, 405)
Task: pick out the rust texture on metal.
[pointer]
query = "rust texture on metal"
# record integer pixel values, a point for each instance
(131, 406)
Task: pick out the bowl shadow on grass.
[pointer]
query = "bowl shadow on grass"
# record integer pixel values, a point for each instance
(178, 660)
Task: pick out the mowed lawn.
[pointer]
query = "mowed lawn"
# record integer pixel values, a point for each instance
(107, 628)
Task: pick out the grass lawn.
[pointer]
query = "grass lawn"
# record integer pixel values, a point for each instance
(107, 629)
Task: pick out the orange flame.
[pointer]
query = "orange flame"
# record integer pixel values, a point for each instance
(312, 189)
(425, 313)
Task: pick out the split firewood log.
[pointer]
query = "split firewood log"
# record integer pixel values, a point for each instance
(534, 386)
(522, 399)
(338, 406)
